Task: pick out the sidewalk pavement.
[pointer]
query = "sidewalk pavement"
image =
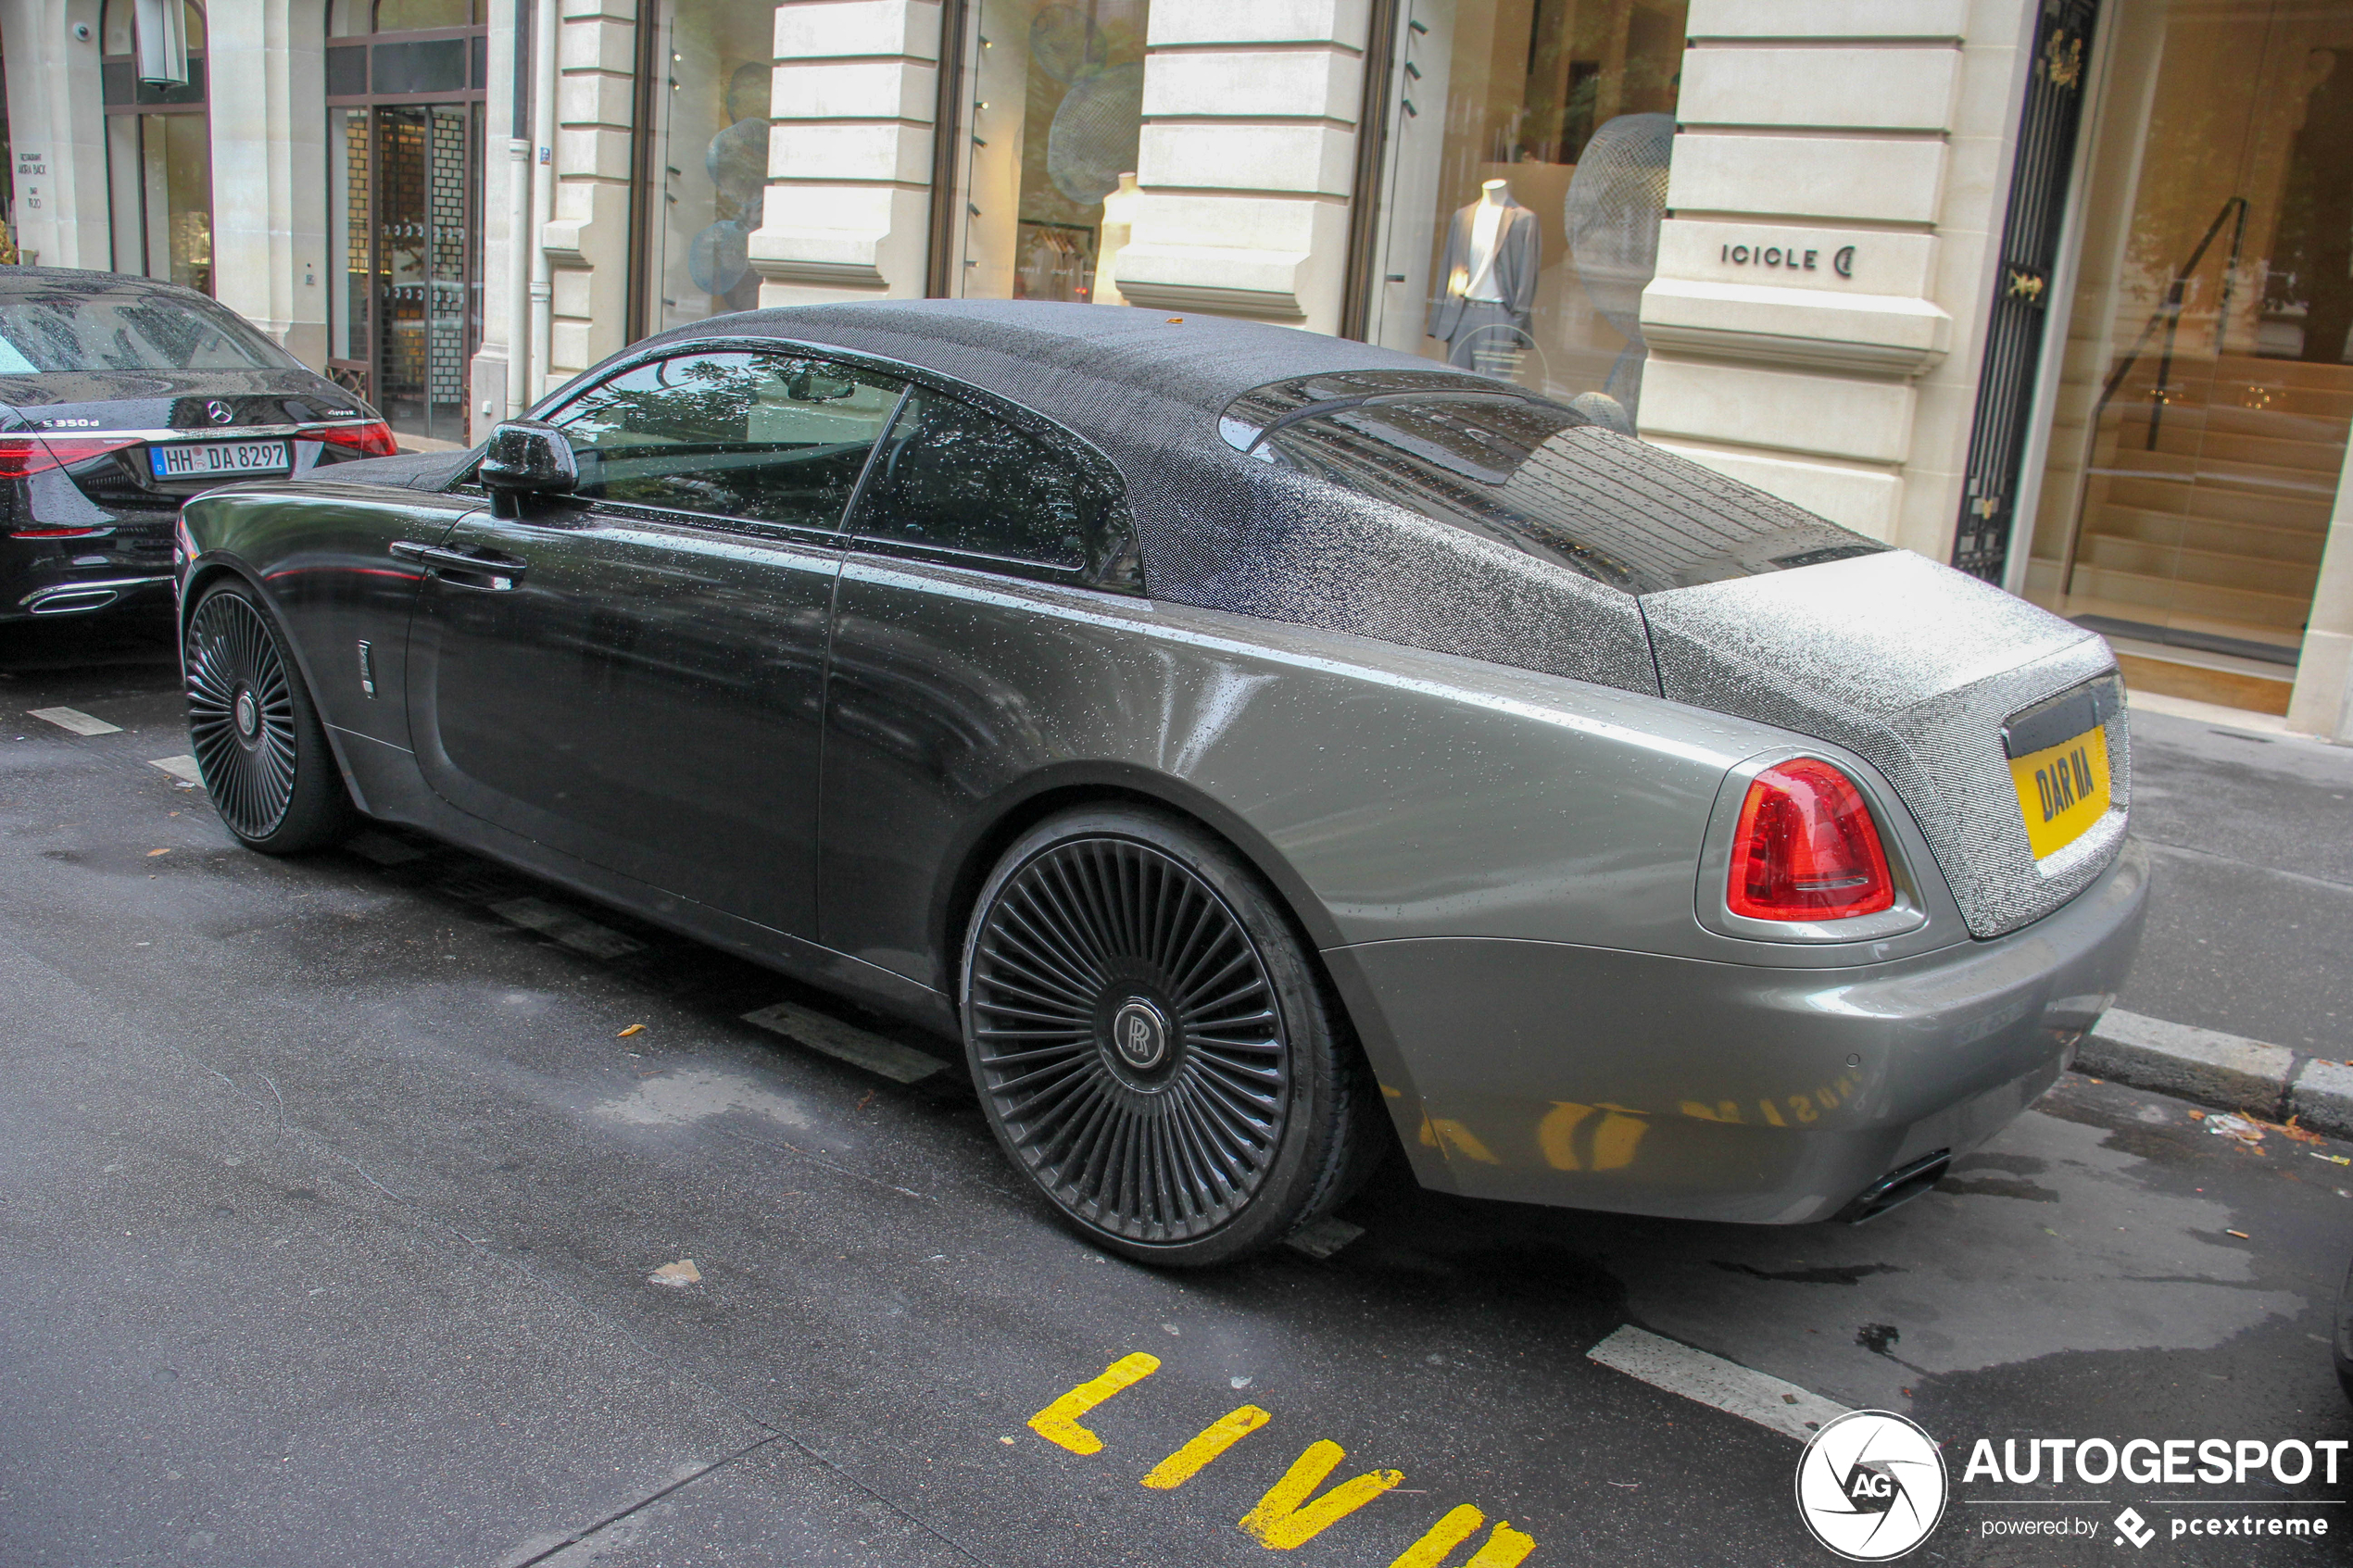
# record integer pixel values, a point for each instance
(2242, 998)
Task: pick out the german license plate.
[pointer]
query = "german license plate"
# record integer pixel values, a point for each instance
(2062, 790)
(202, 459)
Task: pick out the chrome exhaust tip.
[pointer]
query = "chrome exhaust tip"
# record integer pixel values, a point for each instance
(78, 598)
(1897, 1188)
(73, 601)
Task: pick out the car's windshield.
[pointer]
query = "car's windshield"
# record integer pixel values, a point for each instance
(70, 330)
(1536, 476)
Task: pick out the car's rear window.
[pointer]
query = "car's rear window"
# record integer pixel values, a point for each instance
(69, 331)
(1537, 477)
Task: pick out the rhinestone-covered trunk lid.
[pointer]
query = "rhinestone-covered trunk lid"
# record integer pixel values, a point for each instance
(1914, 667)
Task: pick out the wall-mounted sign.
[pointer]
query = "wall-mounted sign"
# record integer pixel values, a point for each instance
(30, 167)
(1794, 258)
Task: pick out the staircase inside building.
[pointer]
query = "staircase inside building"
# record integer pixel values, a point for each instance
(2204, 518)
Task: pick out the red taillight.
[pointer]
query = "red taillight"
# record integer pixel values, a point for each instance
(22, 456)
(1807, 848)
(371, 440)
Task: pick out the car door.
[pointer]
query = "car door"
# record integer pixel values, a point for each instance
(634, 675)
(939, 684)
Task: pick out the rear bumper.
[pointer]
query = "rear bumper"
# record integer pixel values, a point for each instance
(81, 557)
(38, 583)
(1550, 1074)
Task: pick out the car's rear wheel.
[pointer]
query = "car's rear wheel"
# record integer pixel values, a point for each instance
(1152, 1042)
(255, 732)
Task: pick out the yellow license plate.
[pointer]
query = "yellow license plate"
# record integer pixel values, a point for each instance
(2062, 790)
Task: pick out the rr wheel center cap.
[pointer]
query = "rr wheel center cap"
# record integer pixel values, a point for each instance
(248, 714)
(1139, 1034)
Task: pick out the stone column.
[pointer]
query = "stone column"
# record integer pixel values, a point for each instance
(2322, 702)
(1834, 213)
(269, 180)
(848, 208)
(588, 239)
(1248, 150)
(56, 131)
(493, 378)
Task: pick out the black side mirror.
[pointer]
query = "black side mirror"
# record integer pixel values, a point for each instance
(527, 457)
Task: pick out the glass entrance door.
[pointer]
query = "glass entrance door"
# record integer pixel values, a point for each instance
(404, 175)
(423, 278)
(2200, 428)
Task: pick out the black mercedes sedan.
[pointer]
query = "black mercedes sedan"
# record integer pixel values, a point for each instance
(1260, 751)
(121, 398)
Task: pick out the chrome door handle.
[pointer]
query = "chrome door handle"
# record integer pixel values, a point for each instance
(497, 574)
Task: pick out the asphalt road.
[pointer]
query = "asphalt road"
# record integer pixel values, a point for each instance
(331, 1198)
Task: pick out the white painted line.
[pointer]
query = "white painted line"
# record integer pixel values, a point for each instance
(74, 719)
(384, 849)
(181, 768)
(846, 1042)
(582, 936)
(1711, 1380)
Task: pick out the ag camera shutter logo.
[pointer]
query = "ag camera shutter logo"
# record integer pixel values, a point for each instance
(1871, 1486)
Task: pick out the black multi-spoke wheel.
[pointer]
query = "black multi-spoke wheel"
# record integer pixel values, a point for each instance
(1150, 1041)
(256, 736)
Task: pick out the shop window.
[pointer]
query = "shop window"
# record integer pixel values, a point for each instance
(707, 156)
(1525, 178)
(1057, 109)
(2199, 423)
(159, 157)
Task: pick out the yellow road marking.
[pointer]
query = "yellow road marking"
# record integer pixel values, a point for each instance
(1284, 1519)
(1504, 1548)
(1058, 1423)
(1279, 1522)
(1214, 1439)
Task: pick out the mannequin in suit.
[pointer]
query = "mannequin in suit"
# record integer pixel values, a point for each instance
(1488, 267)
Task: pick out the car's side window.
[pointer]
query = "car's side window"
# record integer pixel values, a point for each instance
(767, 437)
(950, 477)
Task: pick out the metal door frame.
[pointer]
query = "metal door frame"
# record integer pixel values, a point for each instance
(363, 377)
(2037, 235)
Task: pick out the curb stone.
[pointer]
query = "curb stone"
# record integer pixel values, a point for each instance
(2223, 1071)
(2321, 1098)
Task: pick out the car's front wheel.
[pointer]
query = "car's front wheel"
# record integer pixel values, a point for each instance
(255, 730)
(1152, 1043)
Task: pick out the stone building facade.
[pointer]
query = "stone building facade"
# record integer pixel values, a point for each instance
(2056, 289)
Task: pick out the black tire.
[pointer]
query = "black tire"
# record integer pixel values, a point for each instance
(255, 730)
(1153, 1044)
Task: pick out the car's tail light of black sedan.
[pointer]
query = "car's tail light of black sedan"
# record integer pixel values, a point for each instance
(21, 456)
(1806, 847)
(372, 439)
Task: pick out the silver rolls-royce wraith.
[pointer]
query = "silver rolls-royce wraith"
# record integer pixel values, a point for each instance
(1258, 748)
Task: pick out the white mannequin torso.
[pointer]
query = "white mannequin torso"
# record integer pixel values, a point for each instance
(1487, 229)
